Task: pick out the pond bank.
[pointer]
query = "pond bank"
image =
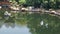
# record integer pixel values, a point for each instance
(50, 11)
(31, 9)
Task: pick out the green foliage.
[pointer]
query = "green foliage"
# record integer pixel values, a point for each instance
(22, 2)
(46, 3)
(33, 2)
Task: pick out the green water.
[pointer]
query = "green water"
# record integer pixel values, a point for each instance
(25, 23)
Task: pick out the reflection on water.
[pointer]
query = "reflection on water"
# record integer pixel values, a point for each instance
(15, 30)
(44, 24)
(10, 27)
(26, 23)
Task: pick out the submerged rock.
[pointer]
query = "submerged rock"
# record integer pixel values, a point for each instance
(7, 14)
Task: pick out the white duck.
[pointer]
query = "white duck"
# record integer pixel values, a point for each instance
(41, 23)
(0, 7)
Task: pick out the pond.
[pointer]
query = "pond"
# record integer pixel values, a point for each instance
(29, 23)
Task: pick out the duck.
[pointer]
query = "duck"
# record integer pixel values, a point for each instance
(41, 23)
(0, 7)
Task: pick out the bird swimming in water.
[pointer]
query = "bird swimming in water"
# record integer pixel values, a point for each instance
(41, 23)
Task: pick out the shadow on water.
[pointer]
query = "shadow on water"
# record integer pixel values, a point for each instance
(37, 23)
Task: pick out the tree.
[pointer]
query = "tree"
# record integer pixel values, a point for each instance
(33, 2)
(17, 1)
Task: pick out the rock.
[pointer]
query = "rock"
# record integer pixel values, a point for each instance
(7, 14)
(14, 8)
(24, 9)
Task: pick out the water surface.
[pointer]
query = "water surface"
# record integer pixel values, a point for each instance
(29, 23)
